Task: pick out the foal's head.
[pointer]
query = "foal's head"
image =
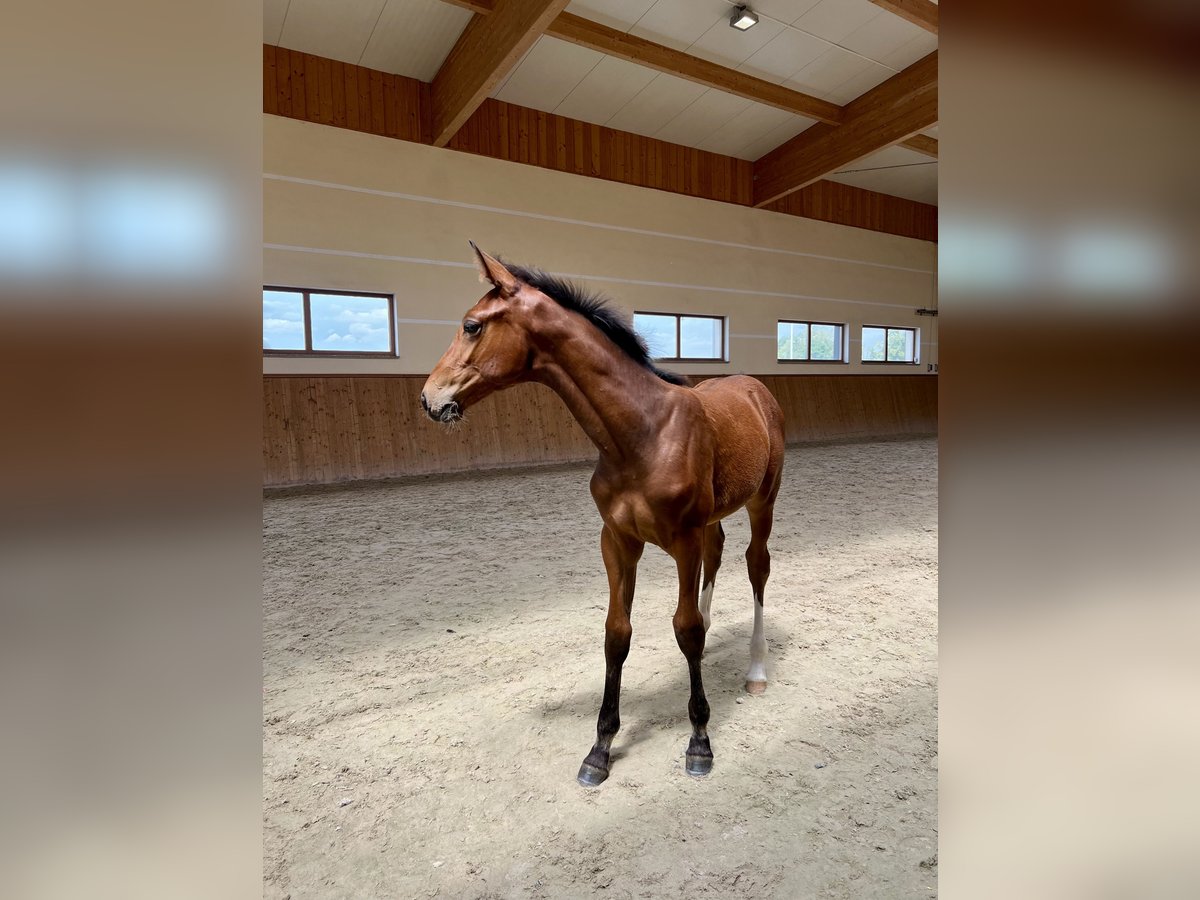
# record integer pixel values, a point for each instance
(491, 350)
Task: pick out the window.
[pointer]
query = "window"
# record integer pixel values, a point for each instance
(679, 338)
(810, 342)
(883, 344)
(337, 323)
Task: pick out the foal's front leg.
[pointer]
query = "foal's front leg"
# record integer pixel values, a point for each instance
(621, 555)
(689, 634)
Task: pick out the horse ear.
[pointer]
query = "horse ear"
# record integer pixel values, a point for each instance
(493, 271)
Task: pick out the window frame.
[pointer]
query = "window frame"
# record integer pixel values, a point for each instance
(308, 351)
(844, 357)
(723, 358)
(916, 345)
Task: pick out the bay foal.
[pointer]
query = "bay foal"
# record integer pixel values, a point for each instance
(674, 460)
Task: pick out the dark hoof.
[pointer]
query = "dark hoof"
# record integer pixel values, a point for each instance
(699, 757)
(591, 776)
(594, 769)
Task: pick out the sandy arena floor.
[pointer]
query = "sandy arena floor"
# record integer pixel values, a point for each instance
(434, 665)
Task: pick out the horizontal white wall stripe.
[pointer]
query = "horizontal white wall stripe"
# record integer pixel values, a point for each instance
(418, 198)
(409, 259)
(290, 248)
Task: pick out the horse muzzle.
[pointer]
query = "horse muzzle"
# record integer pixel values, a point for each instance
(445, 413)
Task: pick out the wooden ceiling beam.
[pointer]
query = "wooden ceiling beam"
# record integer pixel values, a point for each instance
(634, 49)
(487, 50)
(922, 143)
(892, 112)
(920, 12)
(586, 33)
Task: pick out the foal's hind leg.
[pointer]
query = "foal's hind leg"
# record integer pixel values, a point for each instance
(714, 543)
(758, 562)
(621, 555)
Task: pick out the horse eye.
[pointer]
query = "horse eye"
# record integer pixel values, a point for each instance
(472, 327)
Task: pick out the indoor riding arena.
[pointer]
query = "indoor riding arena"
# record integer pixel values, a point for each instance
(600, 358)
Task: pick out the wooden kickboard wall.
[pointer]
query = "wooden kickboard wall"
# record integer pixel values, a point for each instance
(327, 429)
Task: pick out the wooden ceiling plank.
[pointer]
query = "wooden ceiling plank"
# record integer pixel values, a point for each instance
(487, 50)
(893, 112)
(920, 12)
(922, 143)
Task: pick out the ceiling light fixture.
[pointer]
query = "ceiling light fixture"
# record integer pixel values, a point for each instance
(743, 18)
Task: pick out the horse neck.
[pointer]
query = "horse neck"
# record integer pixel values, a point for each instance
(614, 399)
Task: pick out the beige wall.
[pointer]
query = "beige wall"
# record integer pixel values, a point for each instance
(350, 211)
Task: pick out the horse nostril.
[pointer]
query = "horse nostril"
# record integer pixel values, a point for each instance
(424, 402)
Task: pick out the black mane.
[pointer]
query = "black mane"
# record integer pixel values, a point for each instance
(597, 310)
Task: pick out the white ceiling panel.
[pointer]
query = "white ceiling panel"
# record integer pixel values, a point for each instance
(548, 73)
(604, 90)
(920, 46)
(897, 171)
(891, 157)
(824, 75)
(765, 143)
(778, 135)
(618, 14)
(694, 124)
(882, 36)
(730, 47)
(274, 12)
(337, 30)
(746, 128)
(503, 81)
(679, 23)
(914, 182)
(662, 100)
(931, 131)
(784, 55)
(855, 87)
(726, 143)
(835, 19)
(783, 10)
(413, 37)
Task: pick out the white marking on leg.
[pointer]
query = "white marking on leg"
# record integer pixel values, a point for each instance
(706, 604)
(758, 647)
